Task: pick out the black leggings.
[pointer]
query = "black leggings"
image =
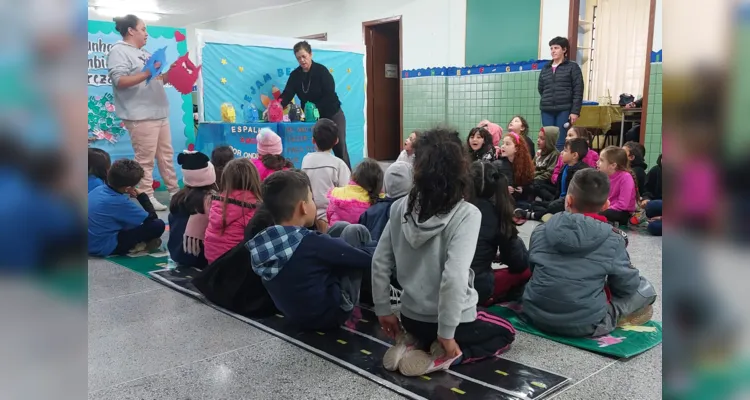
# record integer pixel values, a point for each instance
(340, 149)
(485, 337)
(621, 217)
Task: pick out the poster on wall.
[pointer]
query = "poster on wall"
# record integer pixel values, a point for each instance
(108, 132)
(244, 69)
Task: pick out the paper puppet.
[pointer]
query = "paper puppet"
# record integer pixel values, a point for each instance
(275, 111)
(183, 74)
(311, 112)
(159, 56)
(227, 113)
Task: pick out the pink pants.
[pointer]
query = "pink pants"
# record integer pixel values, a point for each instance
(152, 140)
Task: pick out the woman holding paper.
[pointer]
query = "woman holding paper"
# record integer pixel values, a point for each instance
(313, 82)
(141, 103)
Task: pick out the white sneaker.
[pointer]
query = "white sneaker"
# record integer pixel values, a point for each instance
(404, 343)
(157, 206)
(418, 362)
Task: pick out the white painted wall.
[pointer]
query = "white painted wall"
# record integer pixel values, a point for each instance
(433, 31)
(554, 23)
(657, 27)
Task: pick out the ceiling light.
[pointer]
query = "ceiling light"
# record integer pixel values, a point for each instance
(113, 12)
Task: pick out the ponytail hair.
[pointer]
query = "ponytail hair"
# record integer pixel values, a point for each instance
(275, 162)
(492, 185)
(369, 176)
(123, 24)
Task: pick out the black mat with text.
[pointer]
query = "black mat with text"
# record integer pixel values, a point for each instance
(359, 347)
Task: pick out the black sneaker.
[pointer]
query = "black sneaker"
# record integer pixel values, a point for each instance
(521, 213)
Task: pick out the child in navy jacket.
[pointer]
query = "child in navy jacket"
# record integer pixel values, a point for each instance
(313, 279)
(398, 181)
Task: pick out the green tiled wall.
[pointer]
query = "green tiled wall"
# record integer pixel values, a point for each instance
(463, 101)
(653, 116)
(424, 103)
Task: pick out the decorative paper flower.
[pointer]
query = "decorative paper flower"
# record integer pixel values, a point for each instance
(481, 70)
(534, 66)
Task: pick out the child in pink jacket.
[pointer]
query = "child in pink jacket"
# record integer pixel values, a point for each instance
(349, 202)
(590, 159)
(269, 158)
(232, 209)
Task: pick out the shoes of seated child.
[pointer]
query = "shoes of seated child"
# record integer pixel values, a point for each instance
(639, 317)
(520, 214)
(152, 245)
(411, 361)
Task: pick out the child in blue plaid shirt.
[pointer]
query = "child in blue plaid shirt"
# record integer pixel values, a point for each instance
(314, 279)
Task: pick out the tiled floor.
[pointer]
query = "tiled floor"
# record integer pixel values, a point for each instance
(149, 342)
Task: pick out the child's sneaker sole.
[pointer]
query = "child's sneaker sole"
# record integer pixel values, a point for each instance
(546, 217)
(639, 317)
(395, 354)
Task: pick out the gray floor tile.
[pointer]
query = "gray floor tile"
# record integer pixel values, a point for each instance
(638, 378)
(555, 357)
(271, 370)
(138, 335)
(107, 280)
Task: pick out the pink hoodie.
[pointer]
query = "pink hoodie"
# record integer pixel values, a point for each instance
(216, 243)
(263, 171)
(622, 191)
(591, 158)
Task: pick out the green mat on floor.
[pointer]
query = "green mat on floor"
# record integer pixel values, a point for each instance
(622, 342)
(141, 263)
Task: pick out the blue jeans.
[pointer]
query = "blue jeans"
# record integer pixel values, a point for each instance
(653, 209)
(557, 119)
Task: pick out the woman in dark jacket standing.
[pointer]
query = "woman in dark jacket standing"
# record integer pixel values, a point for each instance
(561, 88)
(313, 82)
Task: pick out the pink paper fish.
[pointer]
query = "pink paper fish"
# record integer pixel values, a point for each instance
(609, 340)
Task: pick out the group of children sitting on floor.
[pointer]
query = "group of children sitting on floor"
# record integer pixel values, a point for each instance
(438, 224)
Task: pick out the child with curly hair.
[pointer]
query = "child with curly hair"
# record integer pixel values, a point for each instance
(516, 164)
(426, 238)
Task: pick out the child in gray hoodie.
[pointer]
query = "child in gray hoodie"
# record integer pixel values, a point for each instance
(430, 237)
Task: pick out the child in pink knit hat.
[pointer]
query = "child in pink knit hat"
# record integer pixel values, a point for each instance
(269, 158)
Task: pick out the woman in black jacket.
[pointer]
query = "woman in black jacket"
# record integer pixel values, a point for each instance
(497, 232)
(561, 89)
(313, 82)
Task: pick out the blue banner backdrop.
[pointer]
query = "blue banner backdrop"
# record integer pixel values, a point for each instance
(232, 71)
(112, 135)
